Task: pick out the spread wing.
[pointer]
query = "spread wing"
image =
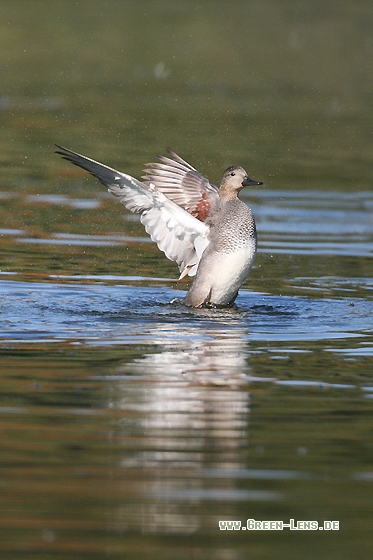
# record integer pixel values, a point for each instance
(183, 184)
(181, 236)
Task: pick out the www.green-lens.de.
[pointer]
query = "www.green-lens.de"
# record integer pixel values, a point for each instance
(254, 525)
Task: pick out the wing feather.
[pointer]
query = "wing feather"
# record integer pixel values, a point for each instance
(181, 236)
(183, 184)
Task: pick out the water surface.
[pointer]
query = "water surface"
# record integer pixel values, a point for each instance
(132, 425)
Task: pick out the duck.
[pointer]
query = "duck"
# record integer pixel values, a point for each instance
(208, 231)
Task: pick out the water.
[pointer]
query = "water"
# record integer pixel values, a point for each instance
(130, 424)
(125, 413)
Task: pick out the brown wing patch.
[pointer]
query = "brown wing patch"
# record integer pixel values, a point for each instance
(202, 208)
(184, 185)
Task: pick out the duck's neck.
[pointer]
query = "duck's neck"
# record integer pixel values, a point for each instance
(227, 194)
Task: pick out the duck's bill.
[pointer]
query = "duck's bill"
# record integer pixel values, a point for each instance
(248, 182)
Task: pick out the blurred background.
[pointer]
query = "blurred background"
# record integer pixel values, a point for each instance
(130, 427)
(284, 89)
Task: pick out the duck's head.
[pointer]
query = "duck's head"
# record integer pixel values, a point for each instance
(234, 179)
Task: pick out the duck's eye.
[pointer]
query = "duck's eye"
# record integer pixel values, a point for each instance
(233, 174)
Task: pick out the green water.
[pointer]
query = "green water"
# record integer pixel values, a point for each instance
(131, 426)
(283, 89)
